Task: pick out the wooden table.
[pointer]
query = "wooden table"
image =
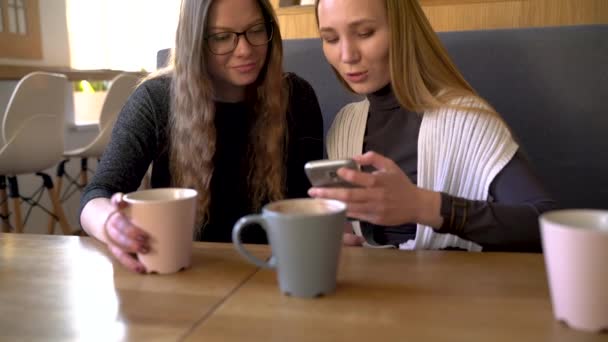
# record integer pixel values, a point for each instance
(61, 288)
(66, 288)
(391, 295)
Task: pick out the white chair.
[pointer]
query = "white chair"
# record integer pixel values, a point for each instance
(119, 91)
(32, 140)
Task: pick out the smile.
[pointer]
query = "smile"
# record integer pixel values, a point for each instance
(245, 68)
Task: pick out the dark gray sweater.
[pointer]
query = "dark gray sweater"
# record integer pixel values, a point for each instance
(140, 137)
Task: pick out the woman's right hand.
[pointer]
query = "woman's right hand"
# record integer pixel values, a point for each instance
(123, 238)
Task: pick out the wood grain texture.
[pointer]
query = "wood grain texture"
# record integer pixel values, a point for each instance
(459, 15)
(298, 25)
(57, 288)
(389, 295)
(277, 3)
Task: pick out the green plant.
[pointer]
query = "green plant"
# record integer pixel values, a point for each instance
(90, 86)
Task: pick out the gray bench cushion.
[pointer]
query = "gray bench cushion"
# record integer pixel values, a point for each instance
(550, 85)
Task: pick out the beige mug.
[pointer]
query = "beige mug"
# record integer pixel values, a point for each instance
(575, 245)
(168, 216)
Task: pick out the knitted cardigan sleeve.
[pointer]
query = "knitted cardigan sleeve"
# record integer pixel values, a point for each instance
(461, 149)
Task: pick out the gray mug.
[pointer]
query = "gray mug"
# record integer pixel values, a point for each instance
(306, 239)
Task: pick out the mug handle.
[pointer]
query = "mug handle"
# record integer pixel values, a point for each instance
(125, 211)
(236, 239)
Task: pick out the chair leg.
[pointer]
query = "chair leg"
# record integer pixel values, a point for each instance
(50, 227)
(58, 210)
(16, 199)
(59, 184)
(58, 187)
(57, 207)
(84, 168)
(6, 227)
(17, 214)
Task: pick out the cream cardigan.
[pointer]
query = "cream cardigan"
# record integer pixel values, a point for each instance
(459, 153)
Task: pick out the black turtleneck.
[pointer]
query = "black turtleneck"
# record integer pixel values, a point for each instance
(507, 221)
(388, 123)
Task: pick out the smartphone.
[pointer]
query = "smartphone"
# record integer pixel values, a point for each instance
(323, 173)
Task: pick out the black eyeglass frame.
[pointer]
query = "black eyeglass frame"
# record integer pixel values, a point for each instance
(269, 29)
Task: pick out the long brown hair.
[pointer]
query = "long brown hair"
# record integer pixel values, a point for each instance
(191, 125)
(423, 76)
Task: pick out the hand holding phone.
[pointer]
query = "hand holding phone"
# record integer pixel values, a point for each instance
(324, 173)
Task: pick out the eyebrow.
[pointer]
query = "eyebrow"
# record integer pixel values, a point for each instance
(252, 23)
(350, 24)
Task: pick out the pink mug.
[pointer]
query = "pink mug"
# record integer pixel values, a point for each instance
(575, 244)
(168, 216)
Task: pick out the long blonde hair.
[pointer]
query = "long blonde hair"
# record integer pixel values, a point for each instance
(192, 133)
(423, 76)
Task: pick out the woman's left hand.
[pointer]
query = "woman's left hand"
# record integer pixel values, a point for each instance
(385, 197)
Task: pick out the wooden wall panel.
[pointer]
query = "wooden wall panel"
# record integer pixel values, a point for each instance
(476, 16)
(566, 12)
(459, 15)
(299, 25)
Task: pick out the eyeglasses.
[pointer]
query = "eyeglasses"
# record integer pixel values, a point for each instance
(225, 42)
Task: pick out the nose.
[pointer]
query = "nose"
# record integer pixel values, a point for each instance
(243, 48)
(349, 52)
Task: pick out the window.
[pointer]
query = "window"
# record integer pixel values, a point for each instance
(17, 23)
(20, 29)
(114, 34)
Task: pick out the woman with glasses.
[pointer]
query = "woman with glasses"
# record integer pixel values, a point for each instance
(223, 119)
(446, 171)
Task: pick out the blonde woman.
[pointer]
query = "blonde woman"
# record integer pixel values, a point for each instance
(446, 171)
(223, 119)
